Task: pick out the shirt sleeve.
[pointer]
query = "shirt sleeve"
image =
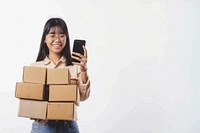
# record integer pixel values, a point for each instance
(84, 88)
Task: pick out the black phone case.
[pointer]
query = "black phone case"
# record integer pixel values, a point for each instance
(77, 47)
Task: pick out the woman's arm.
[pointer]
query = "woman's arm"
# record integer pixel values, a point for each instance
(83, 79)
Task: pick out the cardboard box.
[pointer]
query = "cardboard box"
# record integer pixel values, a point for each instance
(58, 76)
(31, 91)
(44, 110)
(33, 74)
(62, 111)
(64, 93)
(32, 109)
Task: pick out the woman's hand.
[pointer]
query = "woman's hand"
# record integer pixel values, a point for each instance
(40, 121)
(81, 58)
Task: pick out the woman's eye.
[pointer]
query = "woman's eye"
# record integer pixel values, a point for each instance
(63, 35)
(52, 36)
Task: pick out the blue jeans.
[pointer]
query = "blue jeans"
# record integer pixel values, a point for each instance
(55, 127)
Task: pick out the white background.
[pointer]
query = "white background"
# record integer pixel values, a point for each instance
(143, 61)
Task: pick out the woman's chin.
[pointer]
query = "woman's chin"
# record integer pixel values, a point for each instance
(57, 51)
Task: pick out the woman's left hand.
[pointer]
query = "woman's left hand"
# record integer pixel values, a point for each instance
(81, 58)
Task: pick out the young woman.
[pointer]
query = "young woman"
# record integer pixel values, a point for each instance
(55, 52)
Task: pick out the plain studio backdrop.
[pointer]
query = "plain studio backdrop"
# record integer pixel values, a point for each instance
(143, 61)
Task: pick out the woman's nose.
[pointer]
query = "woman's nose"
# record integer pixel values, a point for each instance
(57, 39)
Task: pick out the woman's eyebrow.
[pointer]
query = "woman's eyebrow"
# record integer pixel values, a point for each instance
(52, 32)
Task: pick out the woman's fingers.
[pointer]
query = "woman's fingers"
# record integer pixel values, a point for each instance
(44, 121)
(81, 58)
(76, 58)
(77, 54)
(41, 121)
(85, 51)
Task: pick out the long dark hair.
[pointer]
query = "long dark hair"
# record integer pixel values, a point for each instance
(44, 51)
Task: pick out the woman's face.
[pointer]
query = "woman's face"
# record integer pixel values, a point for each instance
(55, 40)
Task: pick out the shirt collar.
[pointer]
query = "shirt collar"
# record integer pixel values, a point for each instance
(47, 60)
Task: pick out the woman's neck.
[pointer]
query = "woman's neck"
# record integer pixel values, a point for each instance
(54, 58)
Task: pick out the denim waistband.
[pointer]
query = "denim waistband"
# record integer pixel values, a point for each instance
(53, 123)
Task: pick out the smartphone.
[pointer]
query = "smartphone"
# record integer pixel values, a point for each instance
(78, 47)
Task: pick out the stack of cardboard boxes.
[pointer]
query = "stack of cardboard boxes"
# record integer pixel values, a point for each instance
(47, 94)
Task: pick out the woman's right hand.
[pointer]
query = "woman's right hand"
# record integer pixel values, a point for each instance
(40, 121)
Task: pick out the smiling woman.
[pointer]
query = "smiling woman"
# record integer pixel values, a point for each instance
(55, 41)
(55, 52)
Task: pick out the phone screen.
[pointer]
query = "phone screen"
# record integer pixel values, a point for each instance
(78, 47)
